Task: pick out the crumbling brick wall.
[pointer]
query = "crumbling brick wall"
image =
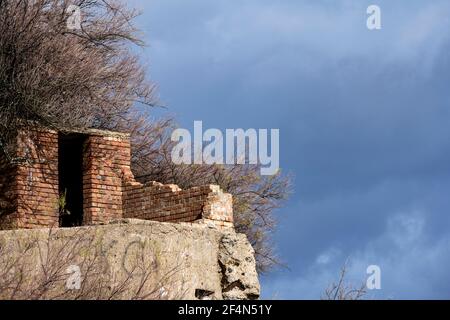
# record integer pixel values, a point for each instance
(168, 203)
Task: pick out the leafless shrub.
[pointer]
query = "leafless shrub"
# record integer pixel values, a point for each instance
(60, 77)
(342, 290)
(255, 197)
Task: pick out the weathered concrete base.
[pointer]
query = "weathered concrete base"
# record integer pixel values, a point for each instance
(128, 259)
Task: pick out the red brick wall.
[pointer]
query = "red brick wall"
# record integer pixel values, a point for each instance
(106, 163)
(168, 203)
(36, 180)
(109, 189)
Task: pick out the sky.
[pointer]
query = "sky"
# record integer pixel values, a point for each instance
(364, 126)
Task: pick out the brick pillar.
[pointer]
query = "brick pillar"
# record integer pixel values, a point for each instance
(36, 179)
(105, 162)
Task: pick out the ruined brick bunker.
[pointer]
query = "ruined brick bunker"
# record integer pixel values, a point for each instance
(77, 178)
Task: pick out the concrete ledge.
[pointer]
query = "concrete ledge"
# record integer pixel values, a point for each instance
(183, 260)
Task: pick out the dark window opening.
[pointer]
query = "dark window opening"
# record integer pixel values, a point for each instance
(70, 169)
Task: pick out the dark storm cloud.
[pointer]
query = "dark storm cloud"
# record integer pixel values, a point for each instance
(363, 117)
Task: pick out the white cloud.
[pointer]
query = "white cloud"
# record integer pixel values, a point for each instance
(328, 256)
